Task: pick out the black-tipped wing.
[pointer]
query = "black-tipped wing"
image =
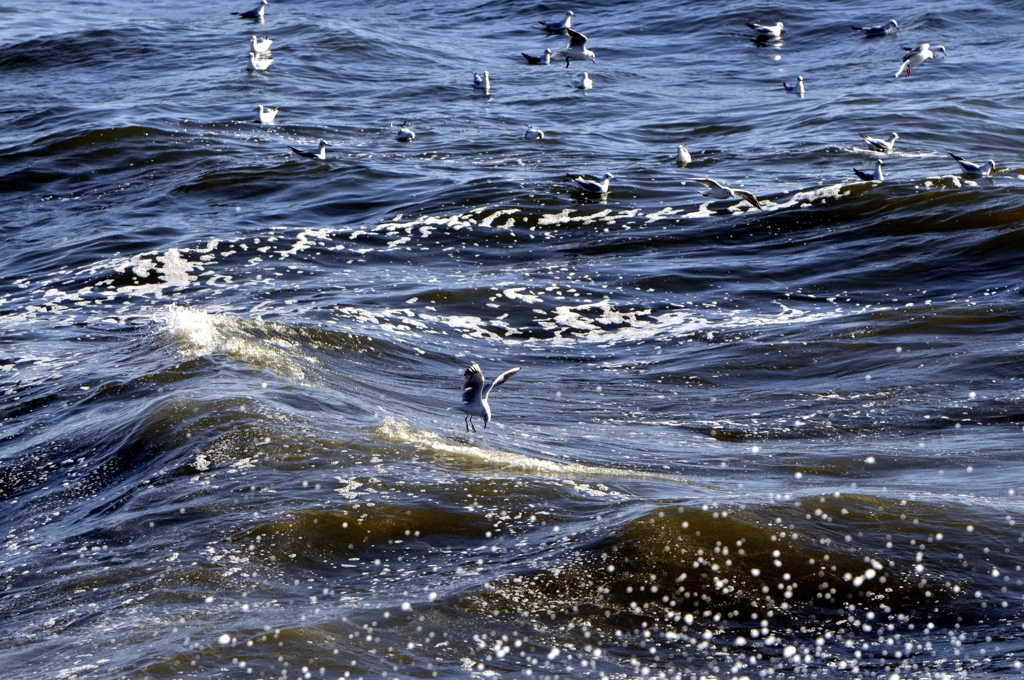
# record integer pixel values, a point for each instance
(863, 175)
(748, 197)
(500, 379)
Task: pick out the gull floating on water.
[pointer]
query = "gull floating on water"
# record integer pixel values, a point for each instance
(590, 186)
(260, 45)
(475, 392)
(266, 115)
(795, 88)
(767, 32)
(405, 133)
(917, 55)
(882, 145)
(253, 13)
(585, 82)
(888, 28)
(983, 170)
(535, 61)
(682, 155)
(319, 154)
(482, 82)
(875, 176)
(719, 191)
(577, 48)
(565, 23)
(533, 133)
(258, 62)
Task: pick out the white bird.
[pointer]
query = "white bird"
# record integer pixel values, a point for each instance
(875, 176)
(888, 28)
(984, 169)
(577, 48)
(917, 55)
(475, 392)
(254, 13)
(266, 115)
(482, 82)
(533, 133)
(258, 62)
(585, 82)
(767, 32)
(538, 61)
(320, 153)
(405, 133)
(882, 145)
(795, 88)
(719, 191)
(260, 45)
(565, 23)
(682, 155)
(590, 186)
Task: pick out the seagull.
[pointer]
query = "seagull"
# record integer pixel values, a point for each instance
(482, 82)
(475, 392)
(682, 155)
(258, 62)
(875, 176)
(590, 186)
(533, 133)
(795, 88)
(253, 13)
(888, 28)
(538, 61)
(585, 82)
(917, 55)
(320, 153)
(267, 115)
(559, 25)
(260, 45)
(881, 145)
(767, 32)
(719, 191)
(577, 48)
(984, 169)
(405, 134)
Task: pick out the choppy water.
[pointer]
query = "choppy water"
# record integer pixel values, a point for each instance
(741, 444)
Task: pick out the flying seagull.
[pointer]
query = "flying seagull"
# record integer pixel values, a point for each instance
(577, 48)
(984, 169)
(719, 191)
(881, 145)
(875, 176)
(260, 45)
(475, 392)
(917, 55)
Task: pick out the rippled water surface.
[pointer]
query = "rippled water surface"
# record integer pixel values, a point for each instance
(742, 443)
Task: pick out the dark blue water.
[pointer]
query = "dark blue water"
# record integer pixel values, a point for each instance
(742, 443)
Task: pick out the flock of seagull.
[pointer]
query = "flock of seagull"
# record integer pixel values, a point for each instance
(475, 389)
(576, 49)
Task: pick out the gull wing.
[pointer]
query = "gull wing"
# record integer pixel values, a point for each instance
(473, 384)
(863, 175)
(706, 181)
(576, 40)
(748, 197)
(500, 379)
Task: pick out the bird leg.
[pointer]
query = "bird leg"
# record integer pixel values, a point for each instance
(567, 62)
(469, 422)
